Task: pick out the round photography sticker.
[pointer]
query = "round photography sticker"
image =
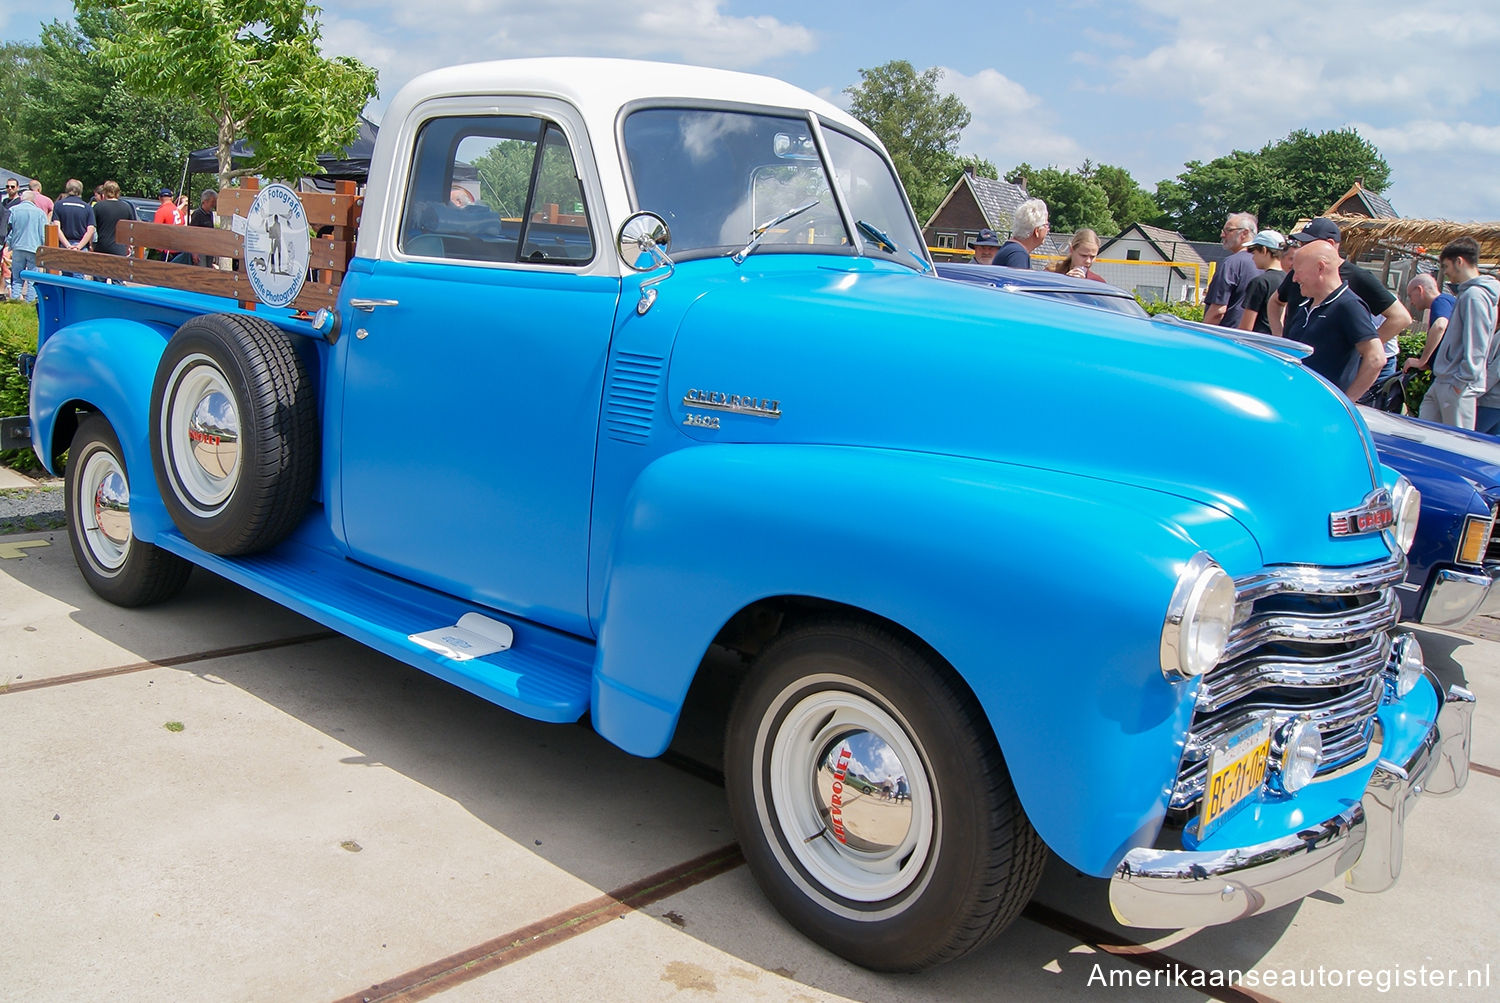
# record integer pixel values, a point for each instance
(276, 245)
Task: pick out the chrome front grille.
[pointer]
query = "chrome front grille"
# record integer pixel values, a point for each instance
(1308, 641)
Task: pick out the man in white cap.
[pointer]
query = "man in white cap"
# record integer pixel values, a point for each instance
(1265, 249)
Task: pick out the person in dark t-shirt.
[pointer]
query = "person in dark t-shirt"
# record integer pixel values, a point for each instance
(1226, 290)
(109, 211)
(1029, 228)
(1266, 249)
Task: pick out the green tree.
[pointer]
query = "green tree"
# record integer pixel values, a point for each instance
(17, 69)
(78, 119)
(1129, 203)
(1073, 200)
(252, 67)
(1280, 183)
(919, 126)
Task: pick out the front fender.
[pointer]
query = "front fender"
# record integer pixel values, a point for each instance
(1045, 591)
(108, 366)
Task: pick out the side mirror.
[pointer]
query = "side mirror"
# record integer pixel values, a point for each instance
(642, 236)
(642, 244)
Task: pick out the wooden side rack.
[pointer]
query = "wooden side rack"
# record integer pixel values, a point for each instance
(335, 217)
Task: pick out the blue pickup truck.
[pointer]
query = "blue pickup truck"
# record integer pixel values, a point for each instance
(685, 380)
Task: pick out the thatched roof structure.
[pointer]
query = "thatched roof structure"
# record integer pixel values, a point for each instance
(1413, 236)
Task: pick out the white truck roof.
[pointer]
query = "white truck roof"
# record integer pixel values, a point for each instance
(598, 89)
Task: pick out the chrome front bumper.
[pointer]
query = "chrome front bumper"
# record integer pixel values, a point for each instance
(1456, 596)
(1171, 889)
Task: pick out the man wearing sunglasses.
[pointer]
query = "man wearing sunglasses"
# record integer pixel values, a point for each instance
(1226, 293)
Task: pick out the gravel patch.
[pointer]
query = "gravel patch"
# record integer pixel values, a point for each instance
(28, 510)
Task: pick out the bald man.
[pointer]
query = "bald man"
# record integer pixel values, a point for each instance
(1422, 292)
(1347, 350)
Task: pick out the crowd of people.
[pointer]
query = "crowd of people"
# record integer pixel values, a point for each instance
(82, 226)
(1352, 321)
(1301, 287)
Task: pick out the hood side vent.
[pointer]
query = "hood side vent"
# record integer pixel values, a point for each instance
(630, 401)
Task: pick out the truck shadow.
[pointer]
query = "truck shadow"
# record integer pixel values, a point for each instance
(608, 818)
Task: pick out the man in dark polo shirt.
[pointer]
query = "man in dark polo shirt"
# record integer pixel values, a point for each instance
(1330, 318)
(1393, 318)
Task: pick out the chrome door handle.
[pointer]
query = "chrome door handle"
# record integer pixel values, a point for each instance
(368, 306)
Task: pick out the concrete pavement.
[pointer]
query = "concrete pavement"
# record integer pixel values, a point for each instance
(327, 820)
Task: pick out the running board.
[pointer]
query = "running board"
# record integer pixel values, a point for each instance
(543, 674)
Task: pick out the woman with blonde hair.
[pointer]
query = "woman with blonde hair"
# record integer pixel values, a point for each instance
(1082, 250)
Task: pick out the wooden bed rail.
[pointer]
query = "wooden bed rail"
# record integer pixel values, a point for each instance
(335, 217)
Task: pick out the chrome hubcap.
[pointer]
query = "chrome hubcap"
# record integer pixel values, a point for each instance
(104, 510)
(201, 437)
(850, 793)
(861, 788)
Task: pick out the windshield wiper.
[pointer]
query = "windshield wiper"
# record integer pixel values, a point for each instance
(760, 231)
(883, 241)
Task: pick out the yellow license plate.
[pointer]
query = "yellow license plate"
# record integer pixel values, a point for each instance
(1236, 771)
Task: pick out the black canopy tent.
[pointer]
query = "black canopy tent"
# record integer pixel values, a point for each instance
(349, 164)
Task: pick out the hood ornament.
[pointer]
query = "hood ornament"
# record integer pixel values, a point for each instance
(1376, 513)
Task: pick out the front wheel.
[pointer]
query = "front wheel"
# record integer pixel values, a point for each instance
(120, 568)
(871, 801)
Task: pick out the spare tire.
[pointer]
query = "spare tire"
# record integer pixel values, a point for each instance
(234, 442)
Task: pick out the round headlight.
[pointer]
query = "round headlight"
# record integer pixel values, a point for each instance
(1406, 664)
(1407, 501)
(1199, 618)
(1301, 751)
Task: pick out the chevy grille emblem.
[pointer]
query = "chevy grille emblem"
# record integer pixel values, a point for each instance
(1375, 514)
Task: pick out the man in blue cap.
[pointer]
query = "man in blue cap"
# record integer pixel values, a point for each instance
(986, 246)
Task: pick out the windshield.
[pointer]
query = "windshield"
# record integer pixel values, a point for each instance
(716, 175)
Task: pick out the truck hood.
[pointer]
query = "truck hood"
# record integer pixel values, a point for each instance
(862, 353)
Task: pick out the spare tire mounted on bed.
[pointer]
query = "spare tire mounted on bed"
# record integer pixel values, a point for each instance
(234, 433)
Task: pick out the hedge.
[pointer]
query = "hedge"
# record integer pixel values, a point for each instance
(17, 334)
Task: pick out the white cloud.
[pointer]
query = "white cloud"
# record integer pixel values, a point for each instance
(404, 38)
(1415, 80)
(1010, 124)
(1251, 63)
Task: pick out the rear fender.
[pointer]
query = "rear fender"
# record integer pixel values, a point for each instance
(103, 365)
(1044, 591)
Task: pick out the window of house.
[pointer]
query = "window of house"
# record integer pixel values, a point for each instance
(1133, 255)
(947, 240)
(495, 188)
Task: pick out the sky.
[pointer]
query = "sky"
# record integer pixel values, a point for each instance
(1145, 84)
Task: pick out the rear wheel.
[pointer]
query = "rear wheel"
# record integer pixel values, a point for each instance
(120, 568)
(871, 801)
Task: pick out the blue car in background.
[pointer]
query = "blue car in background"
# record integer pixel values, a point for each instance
(1454, 559)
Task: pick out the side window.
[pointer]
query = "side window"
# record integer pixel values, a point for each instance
(557, 229)
(494, 189)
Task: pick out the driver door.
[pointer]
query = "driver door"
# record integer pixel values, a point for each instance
(473, 374)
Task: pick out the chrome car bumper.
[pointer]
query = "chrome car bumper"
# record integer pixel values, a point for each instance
(1455, 596)
(1171, 889)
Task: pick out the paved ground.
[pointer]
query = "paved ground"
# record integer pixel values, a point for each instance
(329, 824)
